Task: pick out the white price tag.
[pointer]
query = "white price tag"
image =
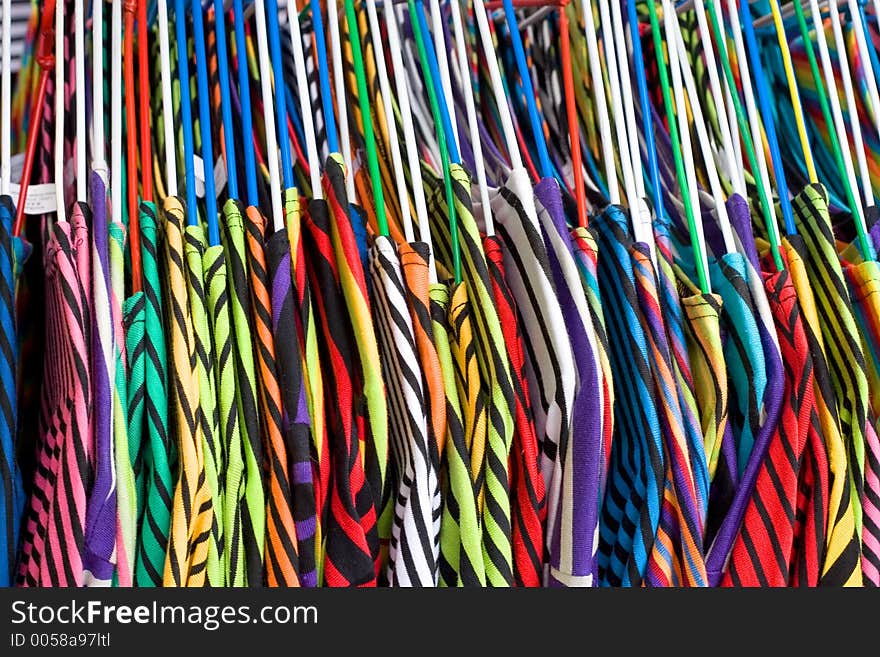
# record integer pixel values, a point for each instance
(40, 198)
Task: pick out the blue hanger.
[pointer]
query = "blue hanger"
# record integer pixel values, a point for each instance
(645, 103)
(324, 77)
(767, 114)
(244, 92)
(526, 80)
(225, 99)
(280, 105)
(204, 94)
(192, 213)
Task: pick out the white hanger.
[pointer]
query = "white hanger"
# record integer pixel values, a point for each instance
(269, 115)
(59, 111)
(167, 109)
(473, 126)
(391, 127)
(670, 21)
(341, 95)
(725, 122)
(703, 138)
(116, 93)
(865, 56)
(302, 85)
(601, 103)
(762, 176)
(79, 44)
(849, 95)
(409, 135)
(439, 35)
(6, 102)
(99, 164)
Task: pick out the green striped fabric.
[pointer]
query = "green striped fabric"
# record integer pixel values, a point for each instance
(207, 413)
(231, 461)
(461, 556)
(253, 515)
(126, 492)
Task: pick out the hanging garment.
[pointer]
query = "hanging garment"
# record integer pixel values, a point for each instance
(192, 511)
(415, 534)
(572, 504)
(630, 511)
(12, 500)
(843, 347)
(527, 489)
(281, 556)
(250, 499)
(295, 423)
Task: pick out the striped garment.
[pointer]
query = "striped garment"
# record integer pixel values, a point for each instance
(295, 417)
(281, 557)
(207, 414)
(160, 456)
(841, 566)
(572, 517)
(252, 504)
(192, 511)
(351, 540)
(415, 537)
(586, 254)
(12, 498)
(863, 280)
(461, 557)
(126, 490)
(374, 439)
(630, 512)
(229, 457)
(527, 489)
(549, 363)
(844, 352)
(492, 361)
(53, 532)
(313, 377)
(764, 552)
(677, 557)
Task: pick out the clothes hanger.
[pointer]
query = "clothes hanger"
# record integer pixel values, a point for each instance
(391, 127)
(186, 120)
(99, 162)
(6, 102)
(687, 194)
(409, 135)
(574, 135)
(705, 145)
(79, 53)
(145, 111)
(471, 112)
(441, 55)
(244, 94)
(744, 23)
(604, 118)
(800, 121)
(269, 115)
(366, 115)
(341, 95)
(167, 102)
(726, 122)
(225, 101)
(855, 127)
(833, 115)
(857, 20)
(326, 95)
(745, 127)
(129, 8)
(116, 119)
(204, 97)
(419, 27)
(45, 57)
(60, 210)
(304, 98)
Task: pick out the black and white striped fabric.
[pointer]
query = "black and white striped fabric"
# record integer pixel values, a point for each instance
(21, 13)
(415, 537)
